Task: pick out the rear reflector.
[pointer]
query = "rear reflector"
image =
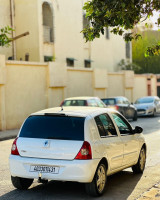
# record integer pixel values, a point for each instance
(85, 152)
(14, 150)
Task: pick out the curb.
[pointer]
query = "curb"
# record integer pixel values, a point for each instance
(8, 137)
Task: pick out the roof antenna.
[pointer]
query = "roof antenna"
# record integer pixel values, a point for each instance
(61, 108)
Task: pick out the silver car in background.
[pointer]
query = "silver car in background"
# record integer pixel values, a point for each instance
(148, 106)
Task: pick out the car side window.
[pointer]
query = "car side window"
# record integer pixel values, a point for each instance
(92, 102)
(100, 104)
(125, 101)
(123, 126)
(119, 101)
(156, 102)
(105, 126)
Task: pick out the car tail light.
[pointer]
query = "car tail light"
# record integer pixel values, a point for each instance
(116, 107)
(61, 103)
(14, 150)
(86, 103)
(85, 152)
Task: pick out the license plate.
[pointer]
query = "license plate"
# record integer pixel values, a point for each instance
(44, 169)
(141, 112)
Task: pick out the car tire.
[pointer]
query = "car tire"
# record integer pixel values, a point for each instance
(135, 116)
(21, 183)
(97, 186)
(138, 168)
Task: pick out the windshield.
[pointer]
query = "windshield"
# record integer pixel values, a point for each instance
(54, 127)
(144, 100)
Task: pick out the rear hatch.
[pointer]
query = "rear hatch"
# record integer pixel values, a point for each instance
(51, 137)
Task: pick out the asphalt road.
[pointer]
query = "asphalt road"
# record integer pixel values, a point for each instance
(121, 186)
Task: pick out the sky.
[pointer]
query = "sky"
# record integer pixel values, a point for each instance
(154, 18)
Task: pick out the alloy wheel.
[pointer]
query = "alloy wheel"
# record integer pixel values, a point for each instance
(101, 178)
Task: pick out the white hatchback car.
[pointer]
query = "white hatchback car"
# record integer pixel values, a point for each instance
(81, 144)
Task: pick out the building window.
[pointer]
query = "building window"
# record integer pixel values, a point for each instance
(85, 21)
(27, 57)
(70, 62)
(48, 32)
(107, 33)
(87, 63)
(128, 50)
(158, 91)
(48, 58)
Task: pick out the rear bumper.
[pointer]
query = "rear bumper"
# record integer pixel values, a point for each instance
(69, 170)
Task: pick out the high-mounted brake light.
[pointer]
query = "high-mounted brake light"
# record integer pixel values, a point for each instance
(14, 150)
(61, 103)
(85, 152)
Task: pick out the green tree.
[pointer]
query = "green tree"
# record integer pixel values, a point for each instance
(149, 64)
(127, 65)
(4, 36)
(121, 16)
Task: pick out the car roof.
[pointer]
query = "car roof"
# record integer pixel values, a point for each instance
(114, 97)
(81, 98)
(79, 111)
(149, 97)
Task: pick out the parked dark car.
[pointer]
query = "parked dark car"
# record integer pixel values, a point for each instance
(122, 105)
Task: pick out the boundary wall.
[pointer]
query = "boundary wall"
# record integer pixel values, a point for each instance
(26, 87)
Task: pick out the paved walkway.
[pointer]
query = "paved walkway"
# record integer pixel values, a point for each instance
(152, 194)
(9, 134)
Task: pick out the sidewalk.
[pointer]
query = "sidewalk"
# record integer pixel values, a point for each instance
(8, 134)
(152, 193)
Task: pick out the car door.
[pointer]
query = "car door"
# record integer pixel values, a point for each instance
(111, 141)
(121, 106)
(130, 140)
(129, 110)
(157, 104)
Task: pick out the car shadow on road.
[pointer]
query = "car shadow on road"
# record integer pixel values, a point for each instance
(119, 186)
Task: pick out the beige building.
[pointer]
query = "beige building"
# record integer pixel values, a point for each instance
(28, 84)
(54, 28)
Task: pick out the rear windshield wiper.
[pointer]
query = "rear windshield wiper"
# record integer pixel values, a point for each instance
(56, 114)
(58, 138)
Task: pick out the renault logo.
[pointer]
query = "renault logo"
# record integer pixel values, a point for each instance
(46, 143)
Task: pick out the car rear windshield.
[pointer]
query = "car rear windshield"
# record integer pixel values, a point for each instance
(54, 127)
(74, 103)
(109, 101)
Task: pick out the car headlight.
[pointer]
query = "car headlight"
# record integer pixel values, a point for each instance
(150, 107)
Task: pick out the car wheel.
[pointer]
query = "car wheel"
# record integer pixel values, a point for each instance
(135, 116)
(21, 183)
(139, 167)
(97, 186)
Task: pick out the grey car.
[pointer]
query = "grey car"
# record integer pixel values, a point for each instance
(148, 106)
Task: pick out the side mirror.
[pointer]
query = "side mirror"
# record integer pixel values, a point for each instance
(138, 129)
